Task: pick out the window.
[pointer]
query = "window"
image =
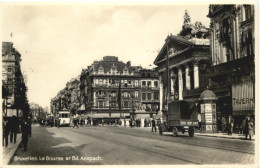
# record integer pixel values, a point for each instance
(113, 81)
(113, 94)
(149, 96)
(100, 93)
(113, 104)
(136, 94)
(9, 69)
(136, 83)
(125, 103)
(149, 83)
(101, 70)
(100, 82)
(126, 94)
(144, 96)
(156, 96)
(156, 84)
(143, 83)
(100, 103)
(247, 9)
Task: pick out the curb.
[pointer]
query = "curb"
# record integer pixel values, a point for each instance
(10, 155)
(230, 137)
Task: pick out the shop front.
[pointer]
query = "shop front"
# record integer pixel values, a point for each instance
(243, 102)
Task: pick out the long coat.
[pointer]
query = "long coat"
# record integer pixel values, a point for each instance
(245, 126)
(250, 128)
(25, 131)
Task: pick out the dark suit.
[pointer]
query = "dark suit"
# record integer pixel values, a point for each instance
(25, 133)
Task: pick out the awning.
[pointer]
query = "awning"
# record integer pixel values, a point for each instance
(142, 115)
(106, 115)
(82, 107)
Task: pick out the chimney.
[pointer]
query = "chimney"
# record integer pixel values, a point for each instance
(128, 63)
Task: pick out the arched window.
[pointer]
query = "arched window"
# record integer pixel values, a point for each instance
(113, 94)
(125, 94)
(100, 93)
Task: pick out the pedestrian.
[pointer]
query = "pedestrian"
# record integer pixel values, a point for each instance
(250, 128)
(30, 127)
(25, 133)
(5, 132)
(130, 122)
(58, 123)
(145, 122)
(14, 126)
(75, 122)
(81, 122)
(223, 124)
(153, 125)
(247, 126)
(230, 125)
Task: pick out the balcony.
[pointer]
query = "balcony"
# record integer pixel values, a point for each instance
(195, 93)
(151, 101)
(230, 67)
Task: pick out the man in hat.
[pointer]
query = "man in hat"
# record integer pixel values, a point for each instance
(245, 126)
(14, 126)
(25, 133)
(153, 125)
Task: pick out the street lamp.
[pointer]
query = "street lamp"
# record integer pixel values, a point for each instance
(133, 106)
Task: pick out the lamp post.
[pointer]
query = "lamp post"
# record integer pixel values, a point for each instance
(109, 99)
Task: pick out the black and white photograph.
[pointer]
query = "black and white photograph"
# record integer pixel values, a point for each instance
(129, 83)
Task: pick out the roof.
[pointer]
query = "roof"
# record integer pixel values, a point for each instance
(188, 42)
(208, 95)
(110, 61)
(179, 39)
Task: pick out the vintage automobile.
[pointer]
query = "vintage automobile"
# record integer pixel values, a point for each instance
(179, 118)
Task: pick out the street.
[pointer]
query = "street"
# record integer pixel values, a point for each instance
(112, 145)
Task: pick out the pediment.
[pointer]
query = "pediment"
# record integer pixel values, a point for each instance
(173, 45)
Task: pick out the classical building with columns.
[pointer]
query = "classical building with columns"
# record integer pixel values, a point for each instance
(232, 74)
(182, 63)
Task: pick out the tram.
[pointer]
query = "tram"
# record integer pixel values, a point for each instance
(64, 117)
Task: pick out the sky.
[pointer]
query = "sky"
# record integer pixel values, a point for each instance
(57, 41)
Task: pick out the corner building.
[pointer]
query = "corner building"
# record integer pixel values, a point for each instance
(112, 91)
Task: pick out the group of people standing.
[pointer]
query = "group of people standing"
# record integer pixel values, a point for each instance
(136, 122)
(11, 125)
(247, 126)
(80, 121)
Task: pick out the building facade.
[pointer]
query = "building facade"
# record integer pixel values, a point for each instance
(16, 102)
(182, 64)
(232, 74)
(68, 99)
(112, 90)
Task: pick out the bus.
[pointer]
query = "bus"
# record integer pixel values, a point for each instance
(64, 117)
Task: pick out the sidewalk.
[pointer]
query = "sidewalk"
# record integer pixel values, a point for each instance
(224, 135)
(8, 152)
(217, 135)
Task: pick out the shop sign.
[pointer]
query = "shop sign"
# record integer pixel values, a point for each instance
(243, 96)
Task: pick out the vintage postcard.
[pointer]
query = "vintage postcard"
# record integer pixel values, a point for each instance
(129, 83)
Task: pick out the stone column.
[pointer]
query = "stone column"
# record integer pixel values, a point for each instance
(172, 83)
(180, 83)
(161, 92)
(187, 76)
(196, 75)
